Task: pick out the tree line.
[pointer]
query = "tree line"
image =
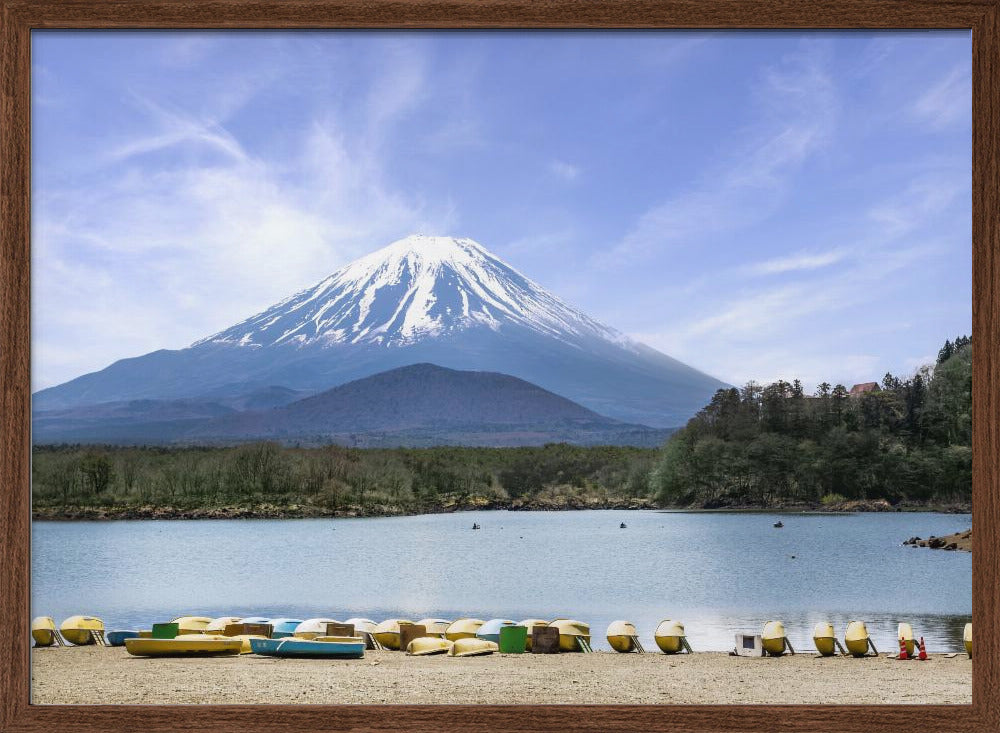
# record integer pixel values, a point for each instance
(901, 440)
(759, 445)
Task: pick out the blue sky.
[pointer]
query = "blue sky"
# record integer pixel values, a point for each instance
(759, 205)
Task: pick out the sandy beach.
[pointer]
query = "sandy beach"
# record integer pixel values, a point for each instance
(82, 675)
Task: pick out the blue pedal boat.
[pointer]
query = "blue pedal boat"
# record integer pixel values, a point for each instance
(283, 627)
(490, 631)
(309, 648)
(118, 637)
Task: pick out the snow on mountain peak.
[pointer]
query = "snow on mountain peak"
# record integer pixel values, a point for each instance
(416, 287)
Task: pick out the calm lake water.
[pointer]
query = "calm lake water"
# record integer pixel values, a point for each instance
(718, 573)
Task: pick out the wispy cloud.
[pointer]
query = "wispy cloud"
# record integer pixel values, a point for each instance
(797, 262)
(798, 104)
(563, 170)
(948, 102)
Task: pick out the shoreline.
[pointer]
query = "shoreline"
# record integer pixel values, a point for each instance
(100, 513)
(114, 677)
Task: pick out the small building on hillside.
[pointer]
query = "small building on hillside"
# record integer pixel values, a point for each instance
(859, 389)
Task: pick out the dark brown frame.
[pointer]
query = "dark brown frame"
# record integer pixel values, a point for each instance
(19, 17)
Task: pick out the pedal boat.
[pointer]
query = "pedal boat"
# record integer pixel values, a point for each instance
(621, 636)
(531, 623)
(435, 626)
(669, 636)
(425, 645)
(186, 645)
(856, 638)
(472, 647)
(967, 638)
(77, 629)
(282, 627)
(191, 624)
(904, 638)
(570, 633)
(491, 629)
(218, 625)
(825, 639)
(43, 631)
(387, 632)
(313, 627)
(322, 647)
(463, 628)
(773, 638)
(118, 636)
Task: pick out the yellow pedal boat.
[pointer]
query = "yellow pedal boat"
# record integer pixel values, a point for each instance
(187, 645)
(857, 639)
(621, 636)
(463, 628)
(570, 633)
(435, 626)
(191, 624)
(43, 631)
(387, 632)
(472, 647)
(425, 645)
(669, 636)
(313, 627)
(530, 623)
(77, 629)
(773, 638)
(825, 638)
(218, 625)
(967, 638)
(904, 635)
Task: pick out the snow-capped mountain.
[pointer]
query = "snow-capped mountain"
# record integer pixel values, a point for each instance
(420, 300)
(416, 288)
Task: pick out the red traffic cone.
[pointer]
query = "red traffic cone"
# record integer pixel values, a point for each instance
(923, 650)
(902, 649)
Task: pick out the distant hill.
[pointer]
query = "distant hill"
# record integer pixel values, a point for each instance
(416, 405)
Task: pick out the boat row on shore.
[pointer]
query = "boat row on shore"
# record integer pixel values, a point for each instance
(330, 638)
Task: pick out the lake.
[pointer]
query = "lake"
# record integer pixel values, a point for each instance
(717, 572)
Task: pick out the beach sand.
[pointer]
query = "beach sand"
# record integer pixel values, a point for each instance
(82, 675)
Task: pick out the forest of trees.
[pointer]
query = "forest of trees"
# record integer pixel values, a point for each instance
(759, 446)
(331, 478)
(904, 440)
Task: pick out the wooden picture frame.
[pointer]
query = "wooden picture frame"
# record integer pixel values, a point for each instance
(20, 17)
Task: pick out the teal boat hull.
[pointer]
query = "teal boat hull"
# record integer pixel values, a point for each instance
(308, 649)
(117, 638)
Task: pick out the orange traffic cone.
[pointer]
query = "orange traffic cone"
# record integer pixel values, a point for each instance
(923, 650)
(902, 649)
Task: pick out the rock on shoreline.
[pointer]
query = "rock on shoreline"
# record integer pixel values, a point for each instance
(958, 541)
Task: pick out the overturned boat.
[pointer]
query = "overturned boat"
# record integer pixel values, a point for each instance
(282, 627)
(669, 636)
(574, 636)
(967, 638)
(491, 629)
(904, 639)
(622, 636)
(463, 628)
(313, 627)
(80, 630)
(773, 638)
(191, 624)
(469, 646)
(530, 623)
(218, 625)
(857, 639)
(425, 645)
(43, 631)
(435, 626)
(387, 632)
(825, 639)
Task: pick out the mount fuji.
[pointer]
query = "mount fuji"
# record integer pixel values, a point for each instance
(420, 300)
